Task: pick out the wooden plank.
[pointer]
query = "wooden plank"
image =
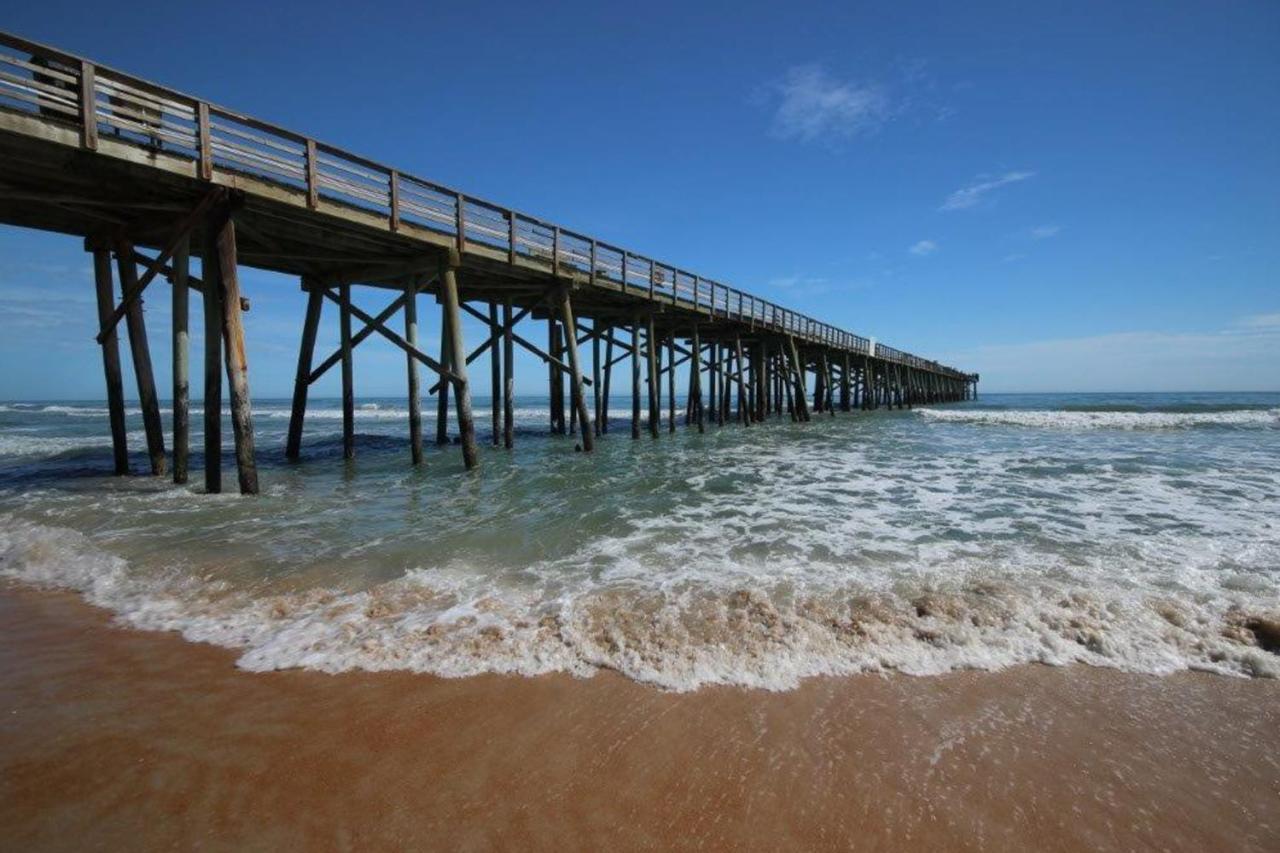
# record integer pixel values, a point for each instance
(88, 107)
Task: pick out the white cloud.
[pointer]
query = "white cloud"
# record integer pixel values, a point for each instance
(970, 196)
(1044, 232)
(924, 247)
(1261, 321)
(816, 106)
(1015, 256)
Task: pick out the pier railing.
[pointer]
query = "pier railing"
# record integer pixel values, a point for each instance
(97, 101)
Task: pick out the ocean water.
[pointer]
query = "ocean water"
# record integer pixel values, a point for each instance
(1133, 531)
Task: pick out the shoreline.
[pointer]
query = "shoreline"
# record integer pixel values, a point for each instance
(123, 738)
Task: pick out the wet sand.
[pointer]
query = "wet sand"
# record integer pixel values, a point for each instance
(118, 739)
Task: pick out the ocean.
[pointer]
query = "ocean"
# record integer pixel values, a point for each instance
(1134, 531)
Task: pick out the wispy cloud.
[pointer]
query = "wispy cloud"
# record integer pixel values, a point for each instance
(1014, 256)
(924, 247)
(1260, 321)
(972, 195)
(813, 105)
(1044, 232)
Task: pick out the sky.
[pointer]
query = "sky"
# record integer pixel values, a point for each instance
(1059, 196)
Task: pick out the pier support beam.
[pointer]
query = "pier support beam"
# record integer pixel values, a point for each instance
(458, 362)
(635, 377)
(141, 352)
(509, 378)
(302, 379)
(797, 369)
(348, 376)
(442, 392)
(411, 369)
(651, 361)
(575, 370)
(181, 346)
(111, 360)
(744, 401)
(495, 375)
(236, 359)
(212, 366)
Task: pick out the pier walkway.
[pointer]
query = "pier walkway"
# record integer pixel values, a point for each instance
(148, 176)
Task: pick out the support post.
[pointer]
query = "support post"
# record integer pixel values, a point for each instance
(348, 379)
(651, 358)
(801, 403)
(744, 402)
(495, 375)
(695, 367)
(411, 366)
(462, 393)
(509, 378)
(236, 358)
(442, 395)
(671, 383)
(302, 379)
(595, 374)
(575, 370)
(212, 364)
(141, 351)
(111, 360)
(603, 422)
(181, 346)
(635, 377)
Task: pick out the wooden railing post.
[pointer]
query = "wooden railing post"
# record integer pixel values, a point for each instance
(204, 143)
(313, 191)
(88, 107)
(393, 193)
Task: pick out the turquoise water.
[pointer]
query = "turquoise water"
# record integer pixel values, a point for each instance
(1135, 531)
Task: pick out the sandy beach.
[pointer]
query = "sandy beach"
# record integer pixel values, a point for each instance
(119, 739)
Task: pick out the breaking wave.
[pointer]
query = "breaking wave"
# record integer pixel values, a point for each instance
(1106, 419)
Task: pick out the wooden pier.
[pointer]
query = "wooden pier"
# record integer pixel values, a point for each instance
(148, 176)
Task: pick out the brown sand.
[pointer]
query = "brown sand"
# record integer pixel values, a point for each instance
(117, 739)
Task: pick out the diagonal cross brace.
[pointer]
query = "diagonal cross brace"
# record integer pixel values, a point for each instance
(549, 359)
(379, 326)
(180, 232)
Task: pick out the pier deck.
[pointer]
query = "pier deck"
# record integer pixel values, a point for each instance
(137, 168)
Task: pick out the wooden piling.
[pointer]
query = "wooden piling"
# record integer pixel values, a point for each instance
(744, 401)
(458, 364)
(509, 377)
(495, 374)
(635, 377)
(411, 368)
(212, 364)
(595, 376)
(348, 380)
(651, 358)
(555, 381)
(442, 395)
(671, 383)
(111, 361)
(302, 378)
(235, 356)
(801, 393)
(575, 370)
(603, 422)
(181, 351)
(141, 352)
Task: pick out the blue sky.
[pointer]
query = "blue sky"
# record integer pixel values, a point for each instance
(1071, 196)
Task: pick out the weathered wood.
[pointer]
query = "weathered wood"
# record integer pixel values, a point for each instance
(302, 377)
(236, 357)
(575, 376)
(608, 381)
(797, 377)
(555, 387)
(411, 368)
(181, 352)
(458, 359)
(651, 361)
(141, 353)
(696, 370)
(105, 292)
(442, 396)
(509, 374)
(596, 386)
(495, 375)
(744, 403)
(671, 384)
(212, 362)
(348, 378)
(635, 377)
